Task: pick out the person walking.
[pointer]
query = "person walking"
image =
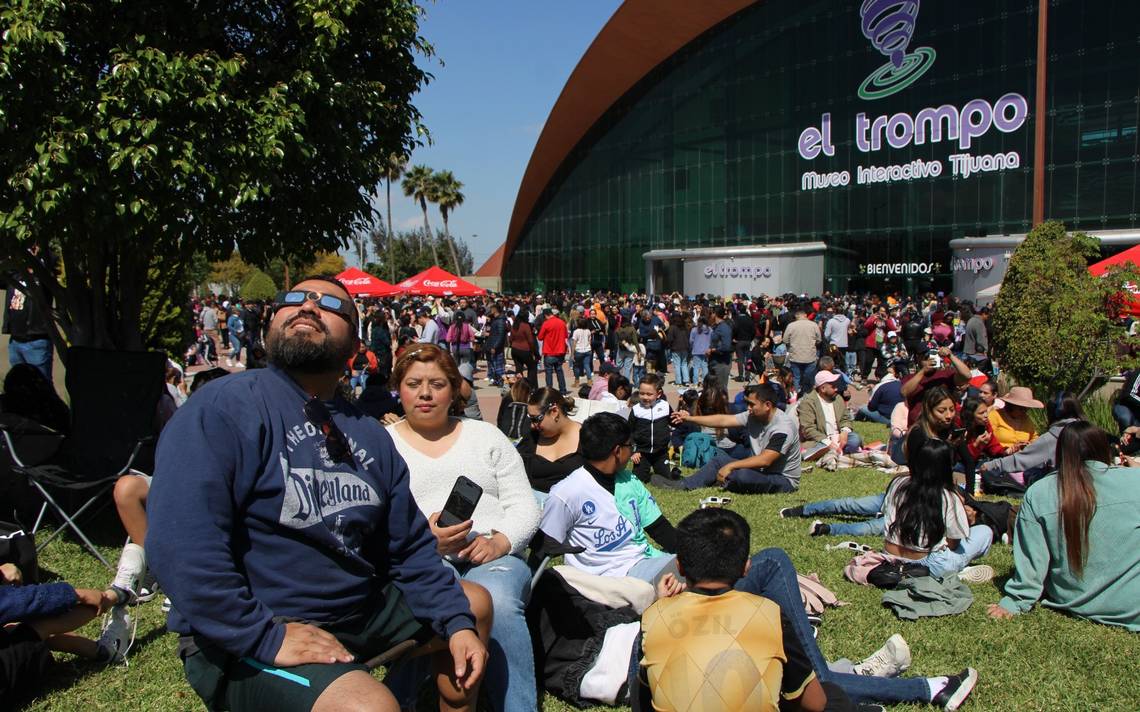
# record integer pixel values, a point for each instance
(720, 347)
(553, 335)
(802, 338)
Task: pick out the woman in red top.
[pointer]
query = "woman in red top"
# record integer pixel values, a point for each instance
(980, 438)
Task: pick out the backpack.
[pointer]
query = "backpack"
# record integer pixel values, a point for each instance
(697, 449)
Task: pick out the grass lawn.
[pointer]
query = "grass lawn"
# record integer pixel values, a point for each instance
(1040, 661)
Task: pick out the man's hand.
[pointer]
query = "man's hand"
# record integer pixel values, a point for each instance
(306, 643)
(636, 458)
(996, 611)
(10, 574)
(945, 352)
(470, 657)
(669, 586)
(680, 416)
(723, 473)
(483, 549)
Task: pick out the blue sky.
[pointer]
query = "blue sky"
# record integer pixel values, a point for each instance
(504, 62)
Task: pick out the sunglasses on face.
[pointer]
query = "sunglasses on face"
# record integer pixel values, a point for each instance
(336, 444)
(326, 302)
(536, 419)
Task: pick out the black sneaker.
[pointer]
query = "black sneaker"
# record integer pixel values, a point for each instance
(675, 473)
(956, 690)
(666, 483)
(789, 512)
(818, 528)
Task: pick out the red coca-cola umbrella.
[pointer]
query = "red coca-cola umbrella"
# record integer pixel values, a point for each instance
(362, 284)
(436, 282)
(1122, 302)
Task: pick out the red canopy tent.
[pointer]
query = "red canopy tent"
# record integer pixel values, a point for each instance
(436, 282)
(1124, 302)
(362, 284)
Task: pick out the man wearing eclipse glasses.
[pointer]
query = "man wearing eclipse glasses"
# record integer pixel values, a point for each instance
(286, 537)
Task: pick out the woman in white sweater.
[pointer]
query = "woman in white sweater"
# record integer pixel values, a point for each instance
(486, 549)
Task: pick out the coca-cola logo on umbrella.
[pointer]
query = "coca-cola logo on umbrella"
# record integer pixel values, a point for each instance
(442, 284)
(357, 281)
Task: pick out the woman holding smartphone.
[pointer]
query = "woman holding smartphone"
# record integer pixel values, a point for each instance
(439, 448)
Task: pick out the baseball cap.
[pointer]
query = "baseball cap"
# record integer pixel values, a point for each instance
(892, 333)
(467, 371)
(823, 377)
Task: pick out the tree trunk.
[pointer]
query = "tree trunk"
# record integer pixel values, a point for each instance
(427, 233)
(391, 241)
(451, 246)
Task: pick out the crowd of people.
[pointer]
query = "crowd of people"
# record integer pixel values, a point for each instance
(301, 519)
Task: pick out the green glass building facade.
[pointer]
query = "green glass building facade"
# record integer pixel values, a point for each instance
(738, 138)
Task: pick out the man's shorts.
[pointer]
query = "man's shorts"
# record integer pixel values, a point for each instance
(24, 659)
(225, 682)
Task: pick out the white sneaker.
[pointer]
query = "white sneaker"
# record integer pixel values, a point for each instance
(229, 363)
(148, 588)
(891, 660)
(132, 565)
(976, 574)
(118, 635)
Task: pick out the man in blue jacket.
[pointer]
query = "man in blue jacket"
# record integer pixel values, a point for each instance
(286, 537)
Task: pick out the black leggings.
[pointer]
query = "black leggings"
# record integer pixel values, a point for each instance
(525, 360)
(656, 461)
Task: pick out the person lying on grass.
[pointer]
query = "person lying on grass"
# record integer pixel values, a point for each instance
(38, 619)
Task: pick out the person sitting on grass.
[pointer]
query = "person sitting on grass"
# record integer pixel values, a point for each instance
(824, 419)
(683, 662)
(1012, 426)
(285, 533)
(1076, 546)
(771, 575)
(1036, 459)
(39, 618)
(602, 508)
(925, 518)
(649, 421)
(774, 465)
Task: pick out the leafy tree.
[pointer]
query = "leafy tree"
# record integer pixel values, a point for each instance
(1053, 322)
(230, 273)
(406, 254)
(419, 186)
(448, 196)
(137, 135)
(258, 287)
(325, 263)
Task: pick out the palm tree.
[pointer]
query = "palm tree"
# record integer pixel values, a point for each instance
(448, 197)
(394, 169)
(418, 185)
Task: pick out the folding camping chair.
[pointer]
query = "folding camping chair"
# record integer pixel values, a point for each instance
(114, 399)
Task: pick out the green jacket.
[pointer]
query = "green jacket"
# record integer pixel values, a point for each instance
(1109, 590)
(813, 426)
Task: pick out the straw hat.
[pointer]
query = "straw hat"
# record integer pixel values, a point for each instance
(1022, 396)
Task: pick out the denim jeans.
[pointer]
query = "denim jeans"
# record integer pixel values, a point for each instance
(774, 577)
(36, 353)
(636, 374)
(951, 561)
(1124, 416)
(869, 506)
(510, 670)
(851, 359)
(743, 481)
(236, 342)
(874, 416)
(680, 366)
(583, 365)
(803, 373)
(699, 363)
(653, 568)
(553, 365)
(361, 380)
(625, 365)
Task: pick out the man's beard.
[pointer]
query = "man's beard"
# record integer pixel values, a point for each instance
(299, 352)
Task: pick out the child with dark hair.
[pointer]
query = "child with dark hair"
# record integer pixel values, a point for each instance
(684, 655)
(606, 512)
(649, 421)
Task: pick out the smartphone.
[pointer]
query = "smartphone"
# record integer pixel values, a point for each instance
(460, 503)
(957, 433)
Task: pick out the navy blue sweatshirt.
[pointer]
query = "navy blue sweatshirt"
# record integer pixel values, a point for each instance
(30, 603)
(251, 520)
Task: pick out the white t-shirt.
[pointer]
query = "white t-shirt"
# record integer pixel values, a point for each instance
(581, 338)
(580, 512)
(953, 514)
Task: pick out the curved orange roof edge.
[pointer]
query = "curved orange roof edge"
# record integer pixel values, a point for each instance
(641, 35)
